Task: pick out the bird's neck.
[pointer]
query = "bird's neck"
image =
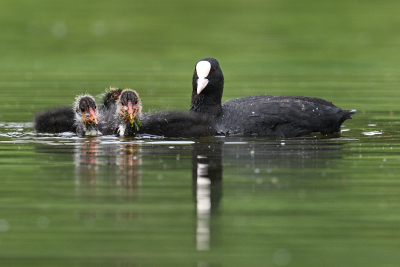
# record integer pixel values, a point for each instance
(207, 103)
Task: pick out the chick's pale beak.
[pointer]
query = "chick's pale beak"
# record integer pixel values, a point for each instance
(201, 84)
(92, 116)
(130, 110)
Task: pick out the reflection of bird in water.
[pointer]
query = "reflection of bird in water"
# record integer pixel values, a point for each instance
(104, 170)
(207, 169)
(114, 164)
(207, 191)
(261, 115)
(128, 162)
(86, 162)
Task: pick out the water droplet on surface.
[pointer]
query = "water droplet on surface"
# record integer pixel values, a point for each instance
(372, 133)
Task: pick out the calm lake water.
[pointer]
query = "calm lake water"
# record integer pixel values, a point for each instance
(200, 202)
(220, 201)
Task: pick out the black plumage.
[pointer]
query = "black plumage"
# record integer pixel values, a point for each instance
(55, 120)
(110, 98)
(81, 118)
(108, 121)
(63, 119)
(261, 115)
(177, 124)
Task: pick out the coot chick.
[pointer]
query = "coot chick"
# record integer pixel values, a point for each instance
(261, 115)
(110, 98)
(55, 120)
(130, 121)
(128, 112)
(121, 114)
(82, 118)
(86, 116)
(108, 123)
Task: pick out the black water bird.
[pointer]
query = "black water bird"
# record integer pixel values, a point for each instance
(55, 120)
(121, 115)
(130, 121)
(86, 116)
(82, 118)
(261, 115)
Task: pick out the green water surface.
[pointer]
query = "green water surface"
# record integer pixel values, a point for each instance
(107, 201)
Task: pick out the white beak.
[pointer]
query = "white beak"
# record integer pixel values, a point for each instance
(202, 69)
(201, 84)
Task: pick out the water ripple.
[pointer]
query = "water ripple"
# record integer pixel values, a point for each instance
(372, 133)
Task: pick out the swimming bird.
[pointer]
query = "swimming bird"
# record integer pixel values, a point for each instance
(261, 115)
(82, 118)
(127, 108)
(121, 115)
(64, 119)
(55, 120)
(86, 116)
(128, 113)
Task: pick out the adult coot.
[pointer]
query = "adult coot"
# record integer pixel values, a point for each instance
(261, 115)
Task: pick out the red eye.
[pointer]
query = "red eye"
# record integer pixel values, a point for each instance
(213, 70)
